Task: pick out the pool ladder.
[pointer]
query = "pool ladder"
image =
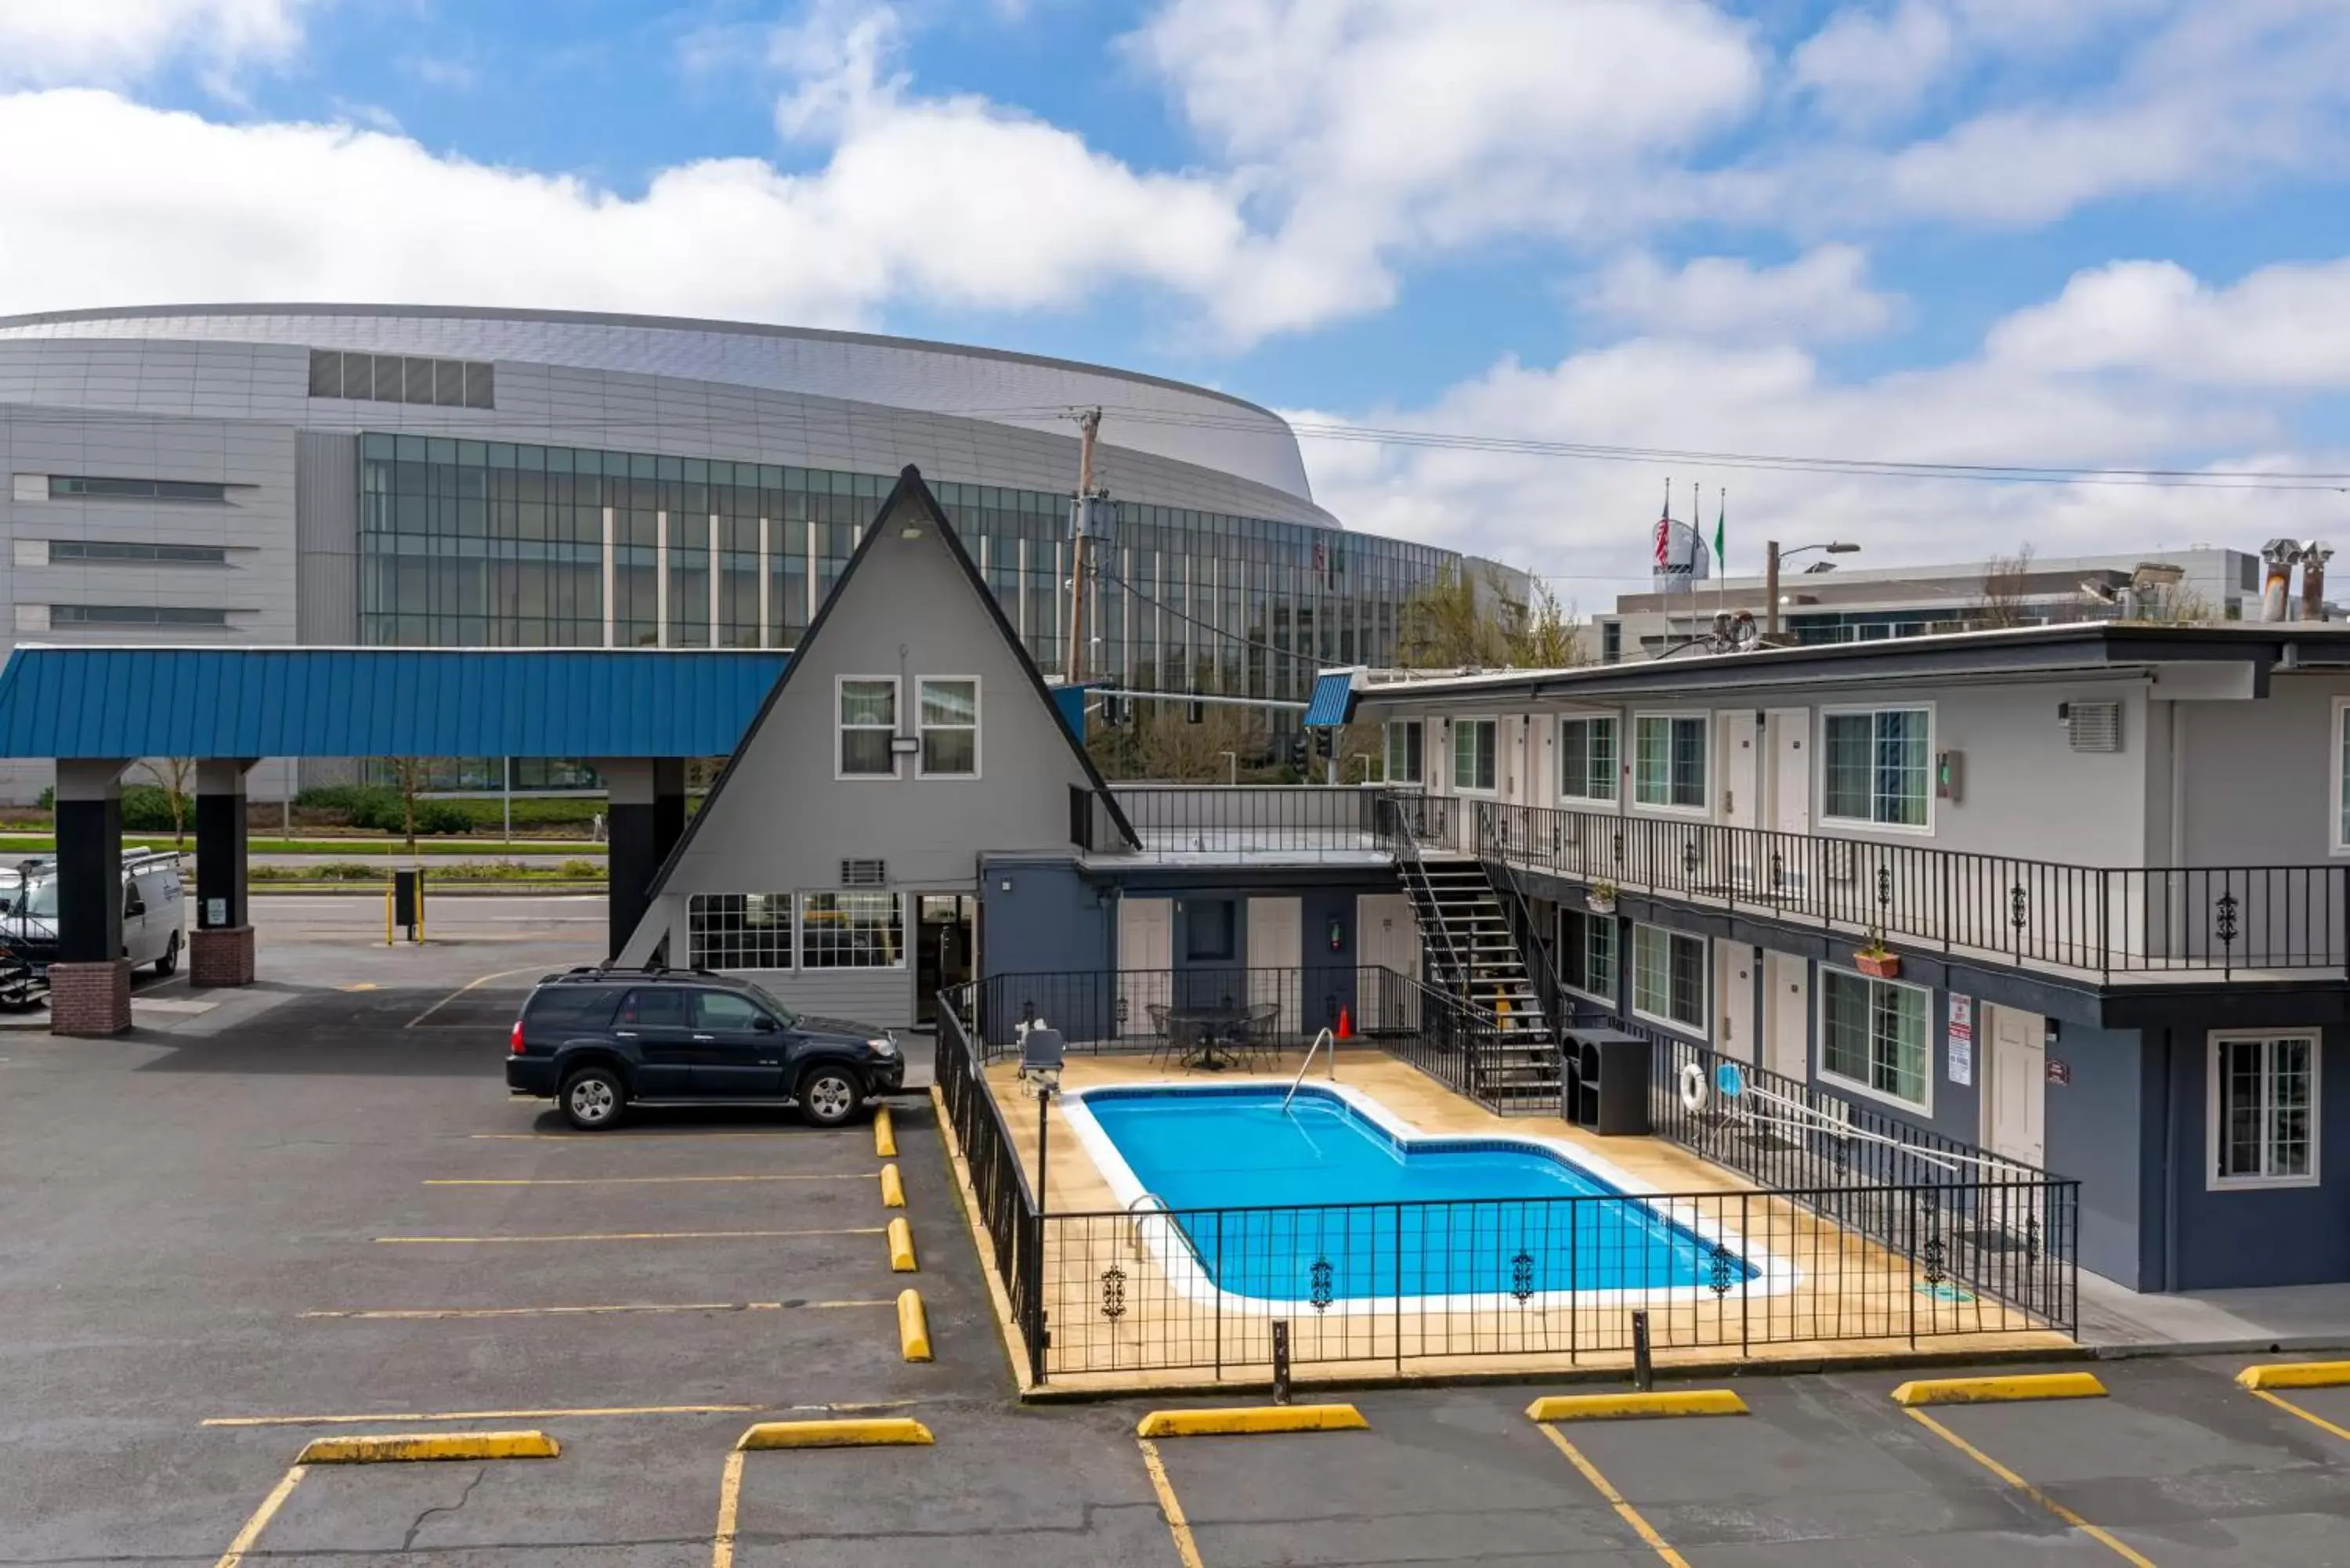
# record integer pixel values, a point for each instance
(1325, 1042)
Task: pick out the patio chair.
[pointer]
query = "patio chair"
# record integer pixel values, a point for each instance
(1254, 1039)
(1165, 1044)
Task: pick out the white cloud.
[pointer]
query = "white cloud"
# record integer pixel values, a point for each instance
(51, 41)
(947, 202)
(1373, 133)
(2284, 326)
(1586, 518)
(1866, 65)
(1821, 296)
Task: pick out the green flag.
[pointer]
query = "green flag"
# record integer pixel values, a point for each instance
(1720, 519)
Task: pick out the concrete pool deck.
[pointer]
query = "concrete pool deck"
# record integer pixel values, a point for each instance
(1119, 1320)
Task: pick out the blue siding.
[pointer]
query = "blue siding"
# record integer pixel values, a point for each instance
(391, 702)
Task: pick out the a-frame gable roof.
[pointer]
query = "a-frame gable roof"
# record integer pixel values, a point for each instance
(909, 490)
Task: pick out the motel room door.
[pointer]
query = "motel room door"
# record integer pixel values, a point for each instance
(1738, 792)
(2015, 1108)
(1146, 961)
(1734, 964)
(1385, 937)
(1787, 1015)
(1275, 952)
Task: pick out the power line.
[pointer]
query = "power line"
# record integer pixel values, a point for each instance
(1219, 631)
(1871, 468)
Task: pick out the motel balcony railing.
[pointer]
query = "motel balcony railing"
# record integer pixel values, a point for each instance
(2104, 921)
(1221, 823)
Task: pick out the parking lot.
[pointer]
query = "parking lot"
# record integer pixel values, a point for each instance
(220, 1242)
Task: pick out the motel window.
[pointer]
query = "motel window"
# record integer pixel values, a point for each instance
(1473, 752)
(852, 930)
(1587, 759)
(739, 930)
(2263, 1126)
(1404, 760)
(950, 719)
(1877, 766)
(1669, 761)
(1668, 976)
(1586, 953)
(1874, 1036)
(869, 724)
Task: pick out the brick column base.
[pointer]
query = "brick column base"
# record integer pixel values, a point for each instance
(90, 998)
(220, 955)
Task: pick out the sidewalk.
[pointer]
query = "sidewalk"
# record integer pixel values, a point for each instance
(2118, 1322)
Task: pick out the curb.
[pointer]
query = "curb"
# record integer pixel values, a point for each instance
(885, 1134)
(913, 1326)
(407, 1447)
(893, 1189)
(902, 1248)
(1241, 1419)
(859, 1432)
(1636, 1406)
(1998, 1390)
(2295, 1375)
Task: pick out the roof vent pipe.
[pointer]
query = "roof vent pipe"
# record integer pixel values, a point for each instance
(2278, 555)
(2313, 556)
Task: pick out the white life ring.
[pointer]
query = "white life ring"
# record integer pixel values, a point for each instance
(1693, 1086)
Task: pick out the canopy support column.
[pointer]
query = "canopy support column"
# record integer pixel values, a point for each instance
(89, 980)
(647, 818)
(220, 949)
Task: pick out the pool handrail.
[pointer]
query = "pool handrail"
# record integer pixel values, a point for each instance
(1331, 1057)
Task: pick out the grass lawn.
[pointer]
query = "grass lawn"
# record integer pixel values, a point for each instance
(464, 846)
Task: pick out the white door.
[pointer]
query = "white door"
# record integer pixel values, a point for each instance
(1791, 769)
(1737, 792)
(1146, 961)
(1787, 1015)
(1276, 926)
(1733, 999)
(2016, 1107)
(1385, 937)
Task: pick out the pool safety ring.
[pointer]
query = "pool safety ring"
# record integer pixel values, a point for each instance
(1693, 1086)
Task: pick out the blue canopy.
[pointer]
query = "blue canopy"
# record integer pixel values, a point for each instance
(379, 701)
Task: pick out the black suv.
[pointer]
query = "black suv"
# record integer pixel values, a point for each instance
(597, 1041)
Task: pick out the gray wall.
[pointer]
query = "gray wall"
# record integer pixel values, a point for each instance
(1038, 916)
(2287, 1236)
(2094, 1128)
(2276, 812)
(326, 539)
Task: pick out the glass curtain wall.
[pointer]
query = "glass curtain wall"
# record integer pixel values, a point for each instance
(495, 544)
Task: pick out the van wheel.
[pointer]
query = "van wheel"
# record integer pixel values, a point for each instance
(593, 1098)
(170, 962)
(829, 1095)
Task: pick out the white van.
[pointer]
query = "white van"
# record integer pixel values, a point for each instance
(153, 909)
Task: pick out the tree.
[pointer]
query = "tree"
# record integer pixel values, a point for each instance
(411, 777)
(171, 775)
(2004, 584)
(1159, 742)
(1464, 622)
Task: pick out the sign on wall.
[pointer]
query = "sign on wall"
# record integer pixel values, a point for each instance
(1962, 1040)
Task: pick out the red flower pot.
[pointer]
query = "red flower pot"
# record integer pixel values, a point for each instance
(1883, 966)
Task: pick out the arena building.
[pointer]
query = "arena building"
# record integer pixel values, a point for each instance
(423, 476)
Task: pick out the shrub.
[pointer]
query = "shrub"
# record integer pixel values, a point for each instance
(48, 800)
(436, 817)
(147, 809)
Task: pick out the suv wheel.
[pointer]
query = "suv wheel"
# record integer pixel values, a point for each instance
(829, 1095)
(593, 1098)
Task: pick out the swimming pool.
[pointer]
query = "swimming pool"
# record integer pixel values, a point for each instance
(1335, 1201)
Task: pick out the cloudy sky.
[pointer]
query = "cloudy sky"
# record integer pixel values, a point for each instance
(2066, 233)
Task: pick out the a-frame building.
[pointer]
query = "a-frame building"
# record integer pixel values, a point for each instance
(836, 859)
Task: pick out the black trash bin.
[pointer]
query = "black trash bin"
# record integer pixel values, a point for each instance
(1604, 1082)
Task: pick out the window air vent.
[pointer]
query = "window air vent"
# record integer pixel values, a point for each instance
(2095, 726)
(864, 874)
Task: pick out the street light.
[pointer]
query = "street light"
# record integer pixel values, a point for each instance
(1773, 555)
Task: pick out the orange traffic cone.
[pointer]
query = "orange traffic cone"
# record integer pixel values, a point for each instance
(1345, 1025)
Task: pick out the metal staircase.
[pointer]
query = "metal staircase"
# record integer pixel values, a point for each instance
(1472, 954)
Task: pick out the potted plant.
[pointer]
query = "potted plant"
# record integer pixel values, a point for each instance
(1876, 959)
(1600, 898)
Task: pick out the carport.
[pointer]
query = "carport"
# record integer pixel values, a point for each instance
(637, 713)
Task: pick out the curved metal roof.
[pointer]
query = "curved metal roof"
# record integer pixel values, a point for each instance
(379, 701)
(1145, 413)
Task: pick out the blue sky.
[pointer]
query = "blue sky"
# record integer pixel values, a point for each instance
(2050, 231)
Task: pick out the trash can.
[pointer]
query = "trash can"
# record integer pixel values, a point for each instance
(1604, 1082)
(408, 901)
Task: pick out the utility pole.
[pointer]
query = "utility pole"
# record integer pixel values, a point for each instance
(1770, 588)
(1081, 515)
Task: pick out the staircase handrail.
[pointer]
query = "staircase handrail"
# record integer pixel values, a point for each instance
(1409, 862)
(1549, 966)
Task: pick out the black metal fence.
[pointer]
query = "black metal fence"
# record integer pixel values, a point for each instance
(1142, 1008)
(2008, 1228)
(1008, 1203)
(1864, 1230)
(2096, 920)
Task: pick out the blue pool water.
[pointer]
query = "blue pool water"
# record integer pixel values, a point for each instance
(1382, 1218)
